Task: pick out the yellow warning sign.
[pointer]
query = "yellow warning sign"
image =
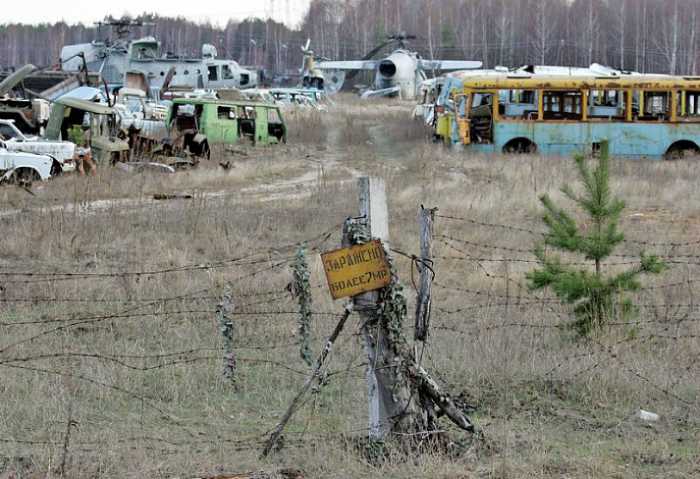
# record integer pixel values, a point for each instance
(357, 269)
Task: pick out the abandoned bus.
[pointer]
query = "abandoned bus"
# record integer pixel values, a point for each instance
(198, 122)
(641, 116)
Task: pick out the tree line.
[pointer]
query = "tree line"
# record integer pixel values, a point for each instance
(642, 35)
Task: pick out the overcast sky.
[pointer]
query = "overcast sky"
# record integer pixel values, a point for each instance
(88, 11)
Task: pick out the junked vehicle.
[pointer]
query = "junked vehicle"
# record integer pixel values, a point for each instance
(30, 116)
(305, 97)
(641, 116)
(142, 121)
(256, 94)
(23, 167)
(443, 107)
(194, 124)
(133, 101)
(99, 121)
(61, 151)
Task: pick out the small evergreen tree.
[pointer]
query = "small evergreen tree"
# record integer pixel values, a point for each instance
(594, 296)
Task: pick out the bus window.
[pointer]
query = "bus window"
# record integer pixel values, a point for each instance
(562, 105)
(226, 112)
(481, 104)
(606, 104)
(692, 104)
(246, 122)
(275, 126)
(657, 105)
(519, 104)
(522, 97)
(273, 116)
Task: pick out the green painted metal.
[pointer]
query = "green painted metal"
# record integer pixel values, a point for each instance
(220, 128)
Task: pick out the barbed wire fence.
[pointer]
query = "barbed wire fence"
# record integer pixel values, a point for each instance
(481, 306)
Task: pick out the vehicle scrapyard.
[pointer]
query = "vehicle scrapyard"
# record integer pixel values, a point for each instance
(371, 263)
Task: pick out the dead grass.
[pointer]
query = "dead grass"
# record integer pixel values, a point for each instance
(549, 406)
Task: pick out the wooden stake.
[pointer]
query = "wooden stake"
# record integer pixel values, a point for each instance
(296, 402)
(423, 301)
(224, 313)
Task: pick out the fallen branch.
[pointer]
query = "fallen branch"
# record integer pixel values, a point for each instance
(430, 388)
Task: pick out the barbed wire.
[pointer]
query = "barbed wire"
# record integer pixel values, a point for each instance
(245, 260)
(533, 232)
(595, 355)
(469, 257)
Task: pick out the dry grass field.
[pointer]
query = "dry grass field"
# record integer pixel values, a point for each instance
(111, 355)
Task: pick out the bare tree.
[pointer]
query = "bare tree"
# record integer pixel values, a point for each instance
(669, 36)
(661, 35)
(543, 31)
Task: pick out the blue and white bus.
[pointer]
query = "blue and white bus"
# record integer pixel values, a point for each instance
(641, 116)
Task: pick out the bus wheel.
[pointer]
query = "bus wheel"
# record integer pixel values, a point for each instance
(519, 146)
(682, 149)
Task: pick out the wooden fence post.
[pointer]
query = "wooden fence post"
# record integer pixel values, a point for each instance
(425, 268)
(388, 389)
(403, 398)
(224, 312)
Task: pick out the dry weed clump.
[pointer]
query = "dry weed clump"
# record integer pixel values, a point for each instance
(355, 131)
(115, 329)
(306, 125)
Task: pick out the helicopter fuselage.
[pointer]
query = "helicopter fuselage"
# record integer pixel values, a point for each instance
(400, 69)
(113, 61)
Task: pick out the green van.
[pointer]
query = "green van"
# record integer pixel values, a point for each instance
(200, 122)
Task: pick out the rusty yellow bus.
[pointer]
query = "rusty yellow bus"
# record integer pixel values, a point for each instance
(640, 116)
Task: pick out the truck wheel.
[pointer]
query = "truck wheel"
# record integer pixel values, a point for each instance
(24, 177)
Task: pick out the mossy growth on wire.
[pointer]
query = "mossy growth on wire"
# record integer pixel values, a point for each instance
(302, 290)
(594, 295)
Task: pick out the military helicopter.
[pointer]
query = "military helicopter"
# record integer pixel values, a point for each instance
(313, 77)
(119, 57)
(399, 74)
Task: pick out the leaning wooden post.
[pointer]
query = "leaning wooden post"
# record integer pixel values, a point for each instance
(276, 434)
(423, 301)
(224, 314)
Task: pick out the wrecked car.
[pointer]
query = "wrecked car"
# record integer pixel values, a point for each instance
(194, 124)
(30, 116)
(99, 122)
(23, 168)
(15, 140)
